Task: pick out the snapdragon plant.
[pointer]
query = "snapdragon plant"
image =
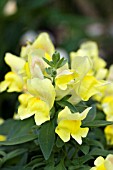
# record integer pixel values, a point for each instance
(64, 117)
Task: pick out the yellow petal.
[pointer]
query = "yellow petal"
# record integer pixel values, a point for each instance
(69, 124)
(91, 48)
(3, 137)
(109, 134)
(13, 82)
(40, 109)
(82, 132)
(109, 162)
(64, 134)
(80, 63)
(66, 114)
(30, 106)
(16, 63)
(64, 78)
(1, 121)
(99, 161)
(44, 42)
(42, 89)
(88, 87)
(36, 63)
(23, 110)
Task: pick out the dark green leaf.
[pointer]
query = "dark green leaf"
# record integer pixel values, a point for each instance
(19, 140)
(56, 57)
(93, 142)
(81, 160)
(61, 62)
(66, 103)
(49, 70)
(91, 114)
(20, 132)
(98, 152)
(59, 142)
(47, 138)
(84, 149)
(97, 123)
(50, 63)
(14, 153)
(60, 166)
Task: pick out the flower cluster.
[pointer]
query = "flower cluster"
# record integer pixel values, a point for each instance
(50, 87)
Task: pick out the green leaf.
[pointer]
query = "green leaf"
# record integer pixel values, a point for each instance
(85, 168)
(93, 142)
(78, 162)
(49, 70)
(50, 63)
(59, 142)
(20, 131)
(35, 161)
(50, 163)
(98, 152)
(19, 140)
(11, 155)
(14, 154)
(91, 114)
(60, 166)
(56, 57)
(66, 103)
(6, 126)
(47, 138)
(84, 149)
(97, 123)
(61, 62)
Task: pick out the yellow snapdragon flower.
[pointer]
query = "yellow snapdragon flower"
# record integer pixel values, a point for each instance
(80, 63)
(88, 87)
(29, 65)
(107, 106)
(69, 125)
(13, 79)
(103, 164)
(90, 49)
(3, 137)
(38, 102)
(65, 78)
(43, 42)
(109, 134)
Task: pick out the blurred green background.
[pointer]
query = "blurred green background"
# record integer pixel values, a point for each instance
(69, 22)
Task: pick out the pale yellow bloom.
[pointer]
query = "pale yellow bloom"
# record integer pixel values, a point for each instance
(13, 79)
(80, 63)
(1, 121)
(34, 53)
(43, 42)
(15, 63)
(90, 49)
(107, 106)
(36, 63)
(110, 74)
(103, 164)
(3, 137)
(30, 106)
(69, 125)
(38, 102)
(88, 87)
(42, 89)
(109, 134)
(13, 82)
(65, 78)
